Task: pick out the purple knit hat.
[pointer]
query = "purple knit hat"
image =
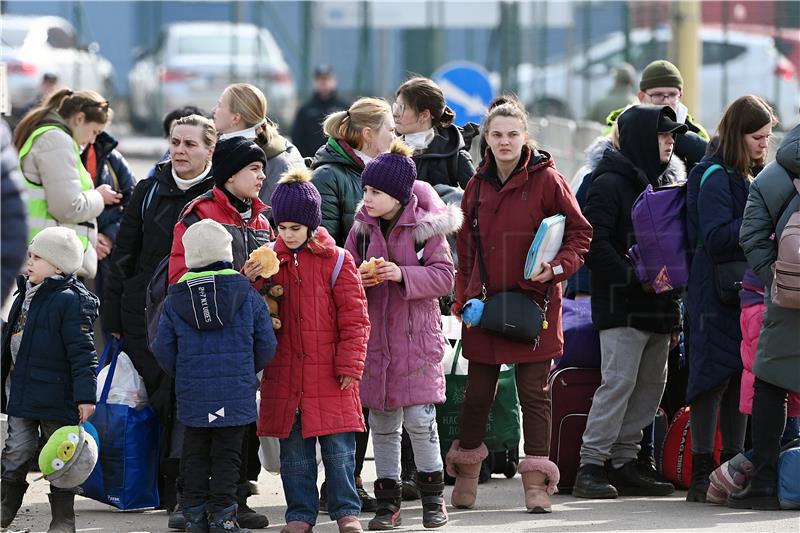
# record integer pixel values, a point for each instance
(393, 173)
(295, 199)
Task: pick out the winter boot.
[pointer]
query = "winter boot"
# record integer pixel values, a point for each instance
(323, 497)
(368, 503)
(390, 497)
(408, 470)
(297, 526)
(629, 481)
(225, 521)
(62, 508)
(702, 466)
(246, 516)
(195, 519)
(539, 480)
(11, 500)
(176, 520)
(465, 466)
(431, 487)
(349, 524)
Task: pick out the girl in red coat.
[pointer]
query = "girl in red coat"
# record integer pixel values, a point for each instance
(518, 187)
(310, 391)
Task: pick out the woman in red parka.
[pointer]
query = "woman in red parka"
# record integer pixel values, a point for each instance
(519, 186)
(310, 390)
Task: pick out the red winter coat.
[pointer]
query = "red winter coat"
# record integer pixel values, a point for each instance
(508, 220)
(323, 336)
(247, 236)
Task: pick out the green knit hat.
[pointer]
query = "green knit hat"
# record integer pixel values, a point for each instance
(661, 73)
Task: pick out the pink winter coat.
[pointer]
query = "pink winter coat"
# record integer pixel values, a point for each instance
(406, 344)
(750, 320)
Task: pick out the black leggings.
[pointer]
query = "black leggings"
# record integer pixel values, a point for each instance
(720, 403)
(768, 421)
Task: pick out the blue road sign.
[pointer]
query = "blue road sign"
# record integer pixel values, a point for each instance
(467, 90)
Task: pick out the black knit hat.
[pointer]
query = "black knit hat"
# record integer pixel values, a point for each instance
(393, 173)
(232, 155)
(661, 73)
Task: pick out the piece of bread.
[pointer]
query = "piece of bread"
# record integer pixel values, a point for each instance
(372, 265)
(268, 259)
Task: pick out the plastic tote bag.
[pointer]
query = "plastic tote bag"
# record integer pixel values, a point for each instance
(126, 476)
(503, 425)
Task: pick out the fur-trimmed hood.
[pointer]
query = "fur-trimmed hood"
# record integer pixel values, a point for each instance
(674, 173)
(426, 212)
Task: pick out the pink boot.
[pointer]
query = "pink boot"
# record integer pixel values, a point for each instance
(349, 524)
(539, 480)
(297, 526)
(465, 466)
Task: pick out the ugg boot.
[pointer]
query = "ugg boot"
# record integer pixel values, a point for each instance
(225, 521)
(349, 524)
(62, 508)
(390, 496)
(195, 520)
(465, 466)
(11, 494)
(702, 466)
(431, 487)
(297, 526)
(539, 480)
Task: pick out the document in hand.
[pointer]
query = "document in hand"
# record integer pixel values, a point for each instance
(545, 245)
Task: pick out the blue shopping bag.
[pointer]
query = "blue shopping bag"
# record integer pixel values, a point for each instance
(126, 475)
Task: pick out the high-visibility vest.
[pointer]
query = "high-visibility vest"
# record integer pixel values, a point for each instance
(39, 216)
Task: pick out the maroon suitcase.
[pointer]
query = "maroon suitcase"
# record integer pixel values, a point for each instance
(571, 390)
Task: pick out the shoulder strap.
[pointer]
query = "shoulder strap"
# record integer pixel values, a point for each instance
(114, 177)
(476, 233)
(149, 197)
(338, 268)
(710, 170)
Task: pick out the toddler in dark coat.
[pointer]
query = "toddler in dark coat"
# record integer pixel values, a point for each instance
(215, 334)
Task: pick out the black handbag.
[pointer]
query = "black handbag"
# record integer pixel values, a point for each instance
(727, 281)
(510, 314)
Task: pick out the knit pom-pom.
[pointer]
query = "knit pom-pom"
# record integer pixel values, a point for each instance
(399, 147)
(296, 175)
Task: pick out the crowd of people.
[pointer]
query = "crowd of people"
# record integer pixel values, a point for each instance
(380, 222)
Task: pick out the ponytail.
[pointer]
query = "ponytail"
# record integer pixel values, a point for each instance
(348, 125)
(448, 116)
(66, 103)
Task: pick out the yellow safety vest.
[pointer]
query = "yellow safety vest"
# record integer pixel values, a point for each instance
(39, 216)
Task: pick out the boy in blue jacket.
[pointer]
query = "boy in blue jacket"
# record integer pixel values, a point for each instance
(49, 361)
(214, 335)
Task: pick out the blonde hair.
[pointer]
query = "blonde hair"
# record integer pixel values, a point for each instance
(348, 125)
(66, 103)
(249, 101)
(507, 106)
(209, 132)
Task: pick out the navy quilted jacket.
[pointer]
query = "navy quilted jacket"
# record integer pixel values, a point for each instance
(215, 334)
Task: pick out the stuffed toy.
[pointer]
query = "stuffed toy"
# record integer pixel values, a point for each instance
(472, 312)
(69, 457)
(271, 292)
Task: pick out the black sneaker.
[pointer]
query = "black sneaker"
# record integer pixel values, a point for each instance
(630, 481)
(368, 503)
(249, 519)
(592, 482)
(323, 497)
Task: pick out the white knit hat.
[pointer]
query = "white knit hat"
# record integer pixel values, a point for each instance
(60, 247)
(207, 242)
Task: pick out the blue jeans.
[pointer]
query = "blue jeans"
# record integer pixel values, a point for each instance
(299, 475)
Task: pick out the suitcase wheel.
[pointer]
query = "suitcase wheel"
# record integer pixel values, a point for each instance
(510, 469)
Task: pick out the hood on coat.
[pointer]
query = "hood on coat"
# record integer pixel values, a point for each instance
(446, 143)
(209, 300)
(104, 144)
(337, 152)
(638, 140)
(674, 173)
(789, 151)
(426, 212)
(277, 143)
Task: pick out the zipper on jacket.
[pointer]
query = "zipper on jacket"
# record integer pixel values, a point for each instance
(786, 272)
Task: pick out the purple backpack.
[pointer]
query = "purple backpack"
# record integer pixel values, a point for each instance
(660, 255)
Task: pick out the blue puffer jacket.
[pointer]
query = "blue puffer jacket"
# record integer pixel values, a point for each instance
(215, 334)
(55, 367)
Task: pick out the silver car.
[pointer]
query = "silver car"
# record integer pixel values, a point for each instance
(33, 46)
(194, 61)
(733, 64)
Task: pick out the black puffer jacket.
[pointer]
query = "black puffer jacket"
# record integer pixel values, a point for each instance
(337, 176)
(446, 160)
(143, 240)
(618, 299)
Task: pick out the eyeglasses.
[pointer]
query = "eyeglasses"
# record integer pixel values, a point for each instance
(102, 105)
(398, 109)
(661, 98)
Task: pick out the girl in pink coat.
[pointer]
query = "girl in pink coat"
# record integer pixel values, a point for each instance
(407, 225)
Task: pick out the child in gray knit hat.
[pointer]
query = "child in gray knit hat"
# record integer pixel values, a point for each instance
(48, 364)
